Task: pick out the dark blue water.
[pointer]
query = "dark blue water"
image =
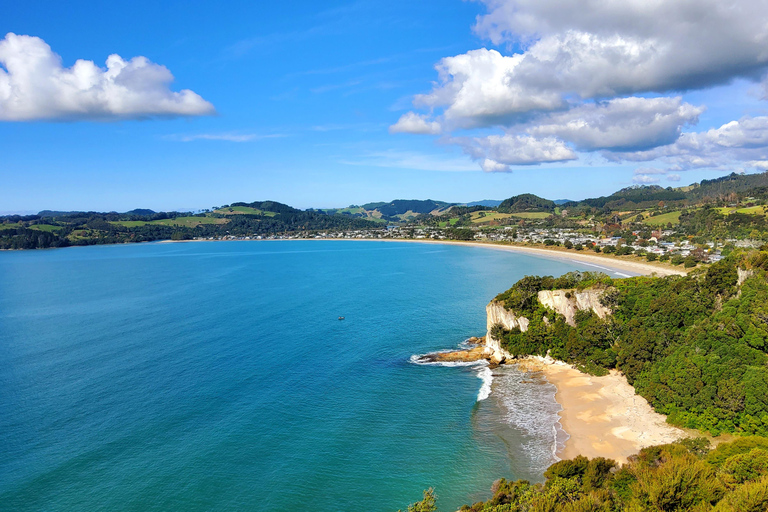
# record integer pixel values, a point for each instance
(217, 376)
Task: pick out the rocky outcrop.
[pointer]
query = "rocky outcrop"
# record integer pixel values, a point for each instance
(563, 302)
(456, 356)
(568, 302)
(743, 275)
(496, 313)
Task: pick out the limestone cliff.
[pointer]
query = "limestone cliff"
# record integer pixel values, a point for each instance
(496, 313)
(568, 302)
(563, 302)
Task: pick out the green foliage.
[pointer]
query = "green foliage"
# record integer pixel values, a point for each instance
(723, 452)
(695, 347)
(61, 229)
(425, 505)
(526, 202)
(666, 478)
(460, 234)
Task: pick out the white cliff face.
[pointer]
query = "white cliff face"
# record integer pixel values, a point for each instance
(497, 314)
(568, 302)
(743, 275)
(564, 302)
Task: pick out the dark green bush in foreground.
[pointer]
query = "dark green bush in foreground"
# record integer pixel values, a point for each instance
(676, 477)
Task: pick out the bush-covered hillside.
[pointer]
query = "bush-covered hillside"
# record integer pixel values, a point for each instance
(694, 347)
(677, 477)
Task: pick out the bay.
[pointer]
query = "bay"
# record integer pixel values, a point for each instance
(217, 376)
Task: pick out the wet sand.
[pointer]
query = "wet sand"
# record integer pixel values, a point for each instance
(602, 415)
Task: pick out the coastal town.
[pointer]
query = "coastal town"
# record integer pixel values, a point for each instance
(661, 246)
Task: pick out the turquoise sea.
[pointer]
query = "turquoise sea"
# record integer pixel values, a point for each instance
(217, 376)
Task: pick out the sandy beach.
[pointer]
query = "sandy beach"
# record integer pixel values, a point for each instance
(599, 261)
(603, 415)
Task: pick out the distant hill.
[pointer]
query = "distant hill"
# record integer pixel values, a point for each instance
(526, 203)
(726, 185)
(142, 212)
(402, 206)
(56, 213)
(558, 202)
(397, 210)
(638, 196)
(490, 203)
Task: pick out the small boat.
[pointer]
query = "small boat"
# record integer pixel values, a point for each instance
(341, 318)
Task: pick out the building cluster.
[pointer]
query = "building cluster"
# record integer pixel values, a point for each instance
(657, 244)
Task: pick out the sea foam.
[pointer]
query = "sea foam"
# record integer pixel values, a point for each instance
(483, 373)
(486, 375)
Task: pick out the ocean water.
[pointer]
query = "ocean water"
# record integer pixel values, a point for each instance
(217, 376)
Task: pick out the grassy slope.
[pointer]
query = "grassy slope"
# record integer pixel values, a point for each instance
(663, 219)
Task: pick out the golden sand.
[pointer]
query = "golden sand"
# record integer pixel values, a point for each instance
(603, 415)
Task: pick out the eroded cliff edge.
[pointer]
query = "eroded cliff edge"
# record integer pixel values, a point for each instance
(564, 302)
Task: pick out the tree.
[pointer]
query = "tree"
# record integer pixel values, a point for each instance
(425, 505)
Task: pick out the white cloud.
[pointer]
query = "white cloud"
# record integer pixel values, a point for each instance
(621, 124)
(230, 137)
(489, 165)
(415, 123)
(620, 47)
(515, 150)
(644, 179)
(742, 141)
(649, 170)
(479, 88)
(584, 75)
(35, 86)
(673, 177)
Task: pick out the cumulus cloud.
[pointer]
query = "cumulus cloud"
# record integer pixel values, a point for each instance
(34, 85)
(595, 77)
(645, 179)
(745, 140)
(496, 150)
(479, 89)
(634, 45)
(415, 123)
(489, 165)
(673, 177)
(622, 124)
(649, 170)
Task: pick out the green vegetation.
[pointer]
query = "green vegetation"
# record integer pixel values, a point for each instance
(243, 210)
(531, 215)
(526, 203)
(663, 219)
(696, 347)
(715, 212)
(61, 229)
(677, 477)
(483, 217)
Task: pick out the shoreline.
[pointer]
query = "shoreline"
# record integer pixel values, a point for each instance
(598, 260)
(603, 416)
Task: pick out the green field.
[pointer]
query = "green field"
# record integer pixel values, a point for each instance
(242, 210)
(187, 222)
(39, 227)
(449, 222)
(531, 215)
(486, 217)
(752, 210)
(663, 219)
(129, 223)
(45, 227)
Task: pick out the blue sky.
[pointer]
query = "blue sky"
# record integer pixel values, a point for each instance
(320, 104)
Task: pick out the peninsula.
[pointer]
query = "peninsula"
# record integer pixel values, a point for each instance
(628, 354)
